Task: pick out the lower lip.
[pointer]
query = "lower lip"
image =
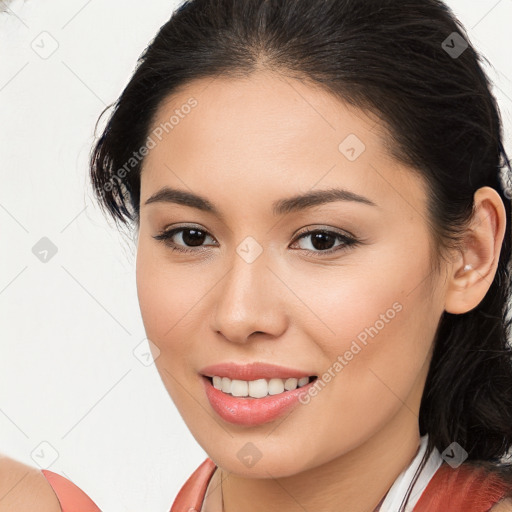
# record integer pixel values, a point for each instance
(252, 411)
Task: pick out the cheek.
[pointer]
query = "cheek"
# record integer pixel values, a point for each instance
(169, 297)
(166, 310)
(381, 343)
(348, 305)
(378, 321)
(158, 293)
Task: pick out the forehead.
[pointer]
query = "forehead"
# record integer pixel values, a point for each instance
(268, 132)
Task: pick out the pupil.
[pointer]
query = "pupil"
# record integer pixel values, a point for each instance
(321, 237)
(194, 239)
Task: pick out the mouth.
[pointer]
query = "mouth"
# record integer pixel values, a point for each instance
(271, 400)
(259, 388)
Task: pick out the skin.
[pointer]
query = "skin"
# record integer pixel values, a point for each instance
(250, 142)
(503, 506)
(24, 488)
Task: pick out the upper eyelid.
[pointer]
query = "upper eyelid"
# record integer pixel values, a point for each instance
(308, 230)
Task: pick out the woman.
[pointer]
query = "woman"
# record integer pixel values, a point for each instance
(372, 374)
(323, 237)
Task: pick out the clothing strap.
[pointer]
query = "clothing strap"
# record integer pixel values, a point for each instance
(191, 496)
(71, 497)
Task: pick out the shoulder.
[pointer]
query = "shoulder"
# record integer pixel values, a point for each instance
(484, 475)
(472, 487)
(24, 488)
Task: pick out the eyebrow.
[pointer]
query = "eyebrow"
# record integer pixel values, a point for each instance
(279, 207)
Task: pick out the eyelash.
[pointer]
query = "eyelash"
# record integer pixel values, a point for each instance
(348, 241)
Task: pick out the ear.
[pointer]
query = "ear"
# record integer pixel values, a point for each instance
(482, 246)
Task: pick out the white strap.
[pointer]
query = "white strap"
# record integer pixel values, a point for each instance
(398, 490)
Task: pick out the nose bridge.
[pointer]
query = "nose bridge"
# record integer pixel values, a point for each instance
(246, 301)
(248, 276)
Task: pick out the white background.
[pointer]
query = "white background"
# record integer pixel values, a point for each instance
(68, 374)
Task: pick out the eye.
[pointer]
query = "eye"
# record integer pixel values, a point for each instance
(322, 240)
(192, 235)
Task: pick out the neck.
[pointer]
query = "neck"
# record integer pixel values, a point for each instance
(359, 479)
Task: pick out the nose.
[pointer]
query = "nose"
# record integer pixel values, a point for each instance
(250, 300)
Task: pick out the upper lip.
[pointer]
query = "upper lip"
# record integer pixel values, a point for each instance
(252, 371)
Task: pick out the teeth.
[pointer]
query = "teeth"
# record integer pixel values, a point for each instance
(257, 388)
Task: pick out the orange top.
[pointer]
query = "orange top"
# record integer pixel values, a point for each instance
(71, 497)
(464, 489)
(191, 496)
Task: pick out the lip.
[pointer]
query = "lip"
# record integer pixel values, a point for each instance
(253, 371)
(248, 411)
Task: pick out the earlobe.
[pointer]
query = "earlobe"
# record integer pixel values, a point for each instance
(474, 271)
(459, 296)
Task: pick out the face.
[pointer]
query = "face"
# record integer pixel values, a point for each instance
(336, 288)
